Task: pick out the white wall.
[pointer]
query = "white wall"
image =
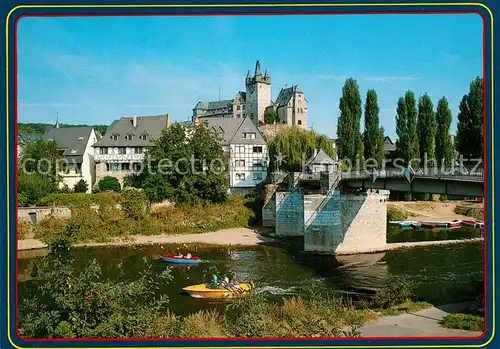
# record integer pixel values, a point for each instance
(248, 170)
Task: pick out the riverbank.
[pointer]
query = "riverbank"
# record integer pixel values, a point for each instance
(437, 211)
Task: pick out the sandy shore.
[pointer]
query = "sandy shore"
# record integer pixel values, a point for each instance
(234, 236)
(432, 211)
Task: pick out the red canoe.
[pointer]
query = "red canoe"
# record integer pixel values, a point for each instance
(179, 260)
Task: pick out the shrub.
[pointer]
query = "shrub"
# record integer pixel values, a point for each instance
(396, 214)
(407, 196)
(109, 183)
(443, 197)
(134, 203)
(78, 199)
(81, 186)
(398, 290)
(33, 187)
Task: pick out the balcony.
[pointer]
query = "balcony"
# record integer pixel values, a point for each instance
(119, 157)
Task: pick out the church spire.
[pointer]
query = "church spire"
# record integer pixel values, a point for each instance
(257, 69)
(57, 121)
(266, 75)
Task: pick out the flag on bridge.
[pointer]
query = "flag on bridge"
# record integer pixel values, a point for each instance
(409, 174)
(373, 175)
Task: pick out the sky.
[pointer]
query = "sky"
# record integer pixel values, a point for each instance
(93, 70)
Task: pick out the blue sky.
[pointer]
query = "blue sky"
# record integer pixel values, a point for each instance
(96, 69)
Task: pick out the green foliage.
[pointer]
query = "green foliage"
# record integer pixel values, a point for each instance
(373, 136)
(470, 139)
(79, 199)
(186, 165)
(68, 304)
(134, 203)
(33, 187)
(406, 128)
(270, 116)
(468, 322)
(407, 196)
(41, 127)
(81, 186)
(297, 145)
(444, 146)
(397, 290)
(427, 128)
(396, 214)
(348, 126)
(109, 183)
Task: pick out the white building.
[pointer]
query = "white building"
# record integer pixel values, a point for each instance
(120, 152)
(247, 150)
(75, 146)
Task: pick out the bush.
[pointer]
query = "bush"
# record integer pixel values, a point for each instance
(109, 183)
(134, 203)
(398, 290)
(33, 187)
(396, 214)
(407, 196)
(81, 186)
(79, 199)
(443, 197)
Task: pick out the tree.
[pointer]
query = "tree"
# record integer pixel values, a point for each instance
(270, 116)
(348, 136)
(413, 142)
(427, 128)
(34, 186)
(296, 145)
(444, 147)
(402, 129)
(186, 165)
(81, 186)
(470, 139)
(373, 136)
(109, 183)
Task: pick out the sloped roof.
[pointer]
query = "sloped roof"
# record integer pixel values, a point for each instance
(248, 126)
(388, 144)
(150, 125)
(224, 127)
(72, 139)
(286, 94)
(321, 158)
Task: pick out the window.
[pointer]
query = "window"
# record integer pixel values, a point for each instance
(239, 149)
(243, 107)
(78, 168)
(115, 167)
(144, 137)
(238, 107)
(125, 166)
(257, 176)
(136, 166)
(129, 137)
(299, 122)
(115, 137)
(107, 167)
(257, 149)
(138, 150)
(239, 163)
(103, 151)
(122, 150)
(73, 151)
(249, 135)
(240, 176)
(80, 139)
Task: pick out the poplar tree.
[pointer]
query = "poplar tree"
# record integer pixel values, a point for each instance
(349, 140)
(470, 138)
(402, 129)
(411, 115)
(427, 128)
(444, 147)
(373, 136)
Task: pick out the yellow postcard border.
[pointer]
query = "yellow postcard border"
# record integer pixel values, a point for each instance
(292, 5)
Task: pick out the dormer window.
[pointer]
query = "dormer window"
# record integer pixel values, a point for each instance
(80, 139)
(144, 137)
(129, 137)
(249, 135)
(115, 136)
(73, 151)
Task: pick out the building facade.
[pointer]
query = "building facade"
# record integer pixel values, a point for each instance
(121, 151)
(291, 104)
(75, 146)
(246, 148)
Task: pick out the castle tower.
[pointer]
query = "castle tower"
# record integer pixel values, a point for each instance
(258, 94)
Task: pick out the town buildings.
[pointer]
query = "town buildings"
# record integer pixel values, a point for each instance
(290, 105)
(75, 146)
(242, 141)
(121, 151)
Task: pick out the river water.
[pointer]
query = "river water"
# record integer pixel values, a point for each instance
(284, 270)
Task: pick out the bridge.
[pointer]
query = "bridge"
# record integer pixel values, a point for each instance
(445, 181)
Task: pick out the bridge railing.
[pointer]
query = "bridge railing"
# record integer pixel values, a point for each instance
(441, 173)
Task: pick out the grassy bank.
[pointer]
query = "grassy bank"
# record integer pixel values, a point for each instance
(396, 214)
(106, 222)
(470, 211)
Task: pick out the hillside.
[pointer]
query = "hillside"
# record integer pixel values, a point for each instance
(42, 128)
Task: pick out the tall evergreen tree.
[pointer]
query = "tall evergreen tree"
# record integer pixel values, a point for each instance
(411, 115)
(373, 135)
(470, 138)
(348, 136)
(444, 147)
(402, 129)
(427, 128)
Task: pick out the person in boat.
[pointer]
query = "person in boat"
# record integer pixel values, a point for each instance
(188, 256)
(179, 256)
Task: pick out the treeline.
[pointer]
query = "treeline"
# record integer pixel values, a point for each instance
(423, 131)
(42, 128)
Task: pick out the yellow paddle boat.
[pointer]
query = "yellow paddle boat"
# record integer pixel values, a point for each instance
(203, 291)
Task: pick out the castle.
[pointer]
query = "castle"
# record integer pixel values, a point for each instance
(290, 105)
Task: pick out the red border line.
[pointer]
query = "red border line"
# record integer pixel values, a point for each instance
(422, 12)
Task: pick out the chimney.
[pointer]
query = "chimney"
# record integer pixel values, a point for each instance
(168, 120)
(134, 121)
(315, 151)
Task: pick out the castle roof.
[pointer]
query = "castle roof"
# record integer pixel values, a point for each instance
(321, 158)
(286, 94)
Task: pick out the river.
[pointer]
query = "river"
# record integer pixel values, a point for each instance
(283, 269)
